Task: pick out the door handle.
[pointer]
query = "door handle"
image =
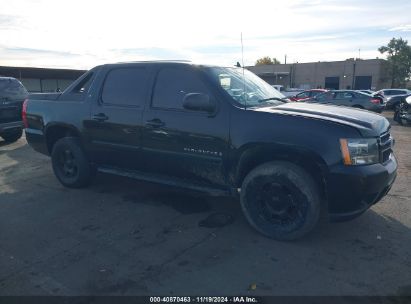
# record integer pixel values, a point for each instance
(155, 123)
(100, 117)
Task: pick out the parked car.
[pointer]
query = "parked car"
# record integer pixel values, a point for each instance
(402, 113)
(387, 94)
(223, 131)
(12, 95)
(307, 94)
(349, 98)
(395, 101)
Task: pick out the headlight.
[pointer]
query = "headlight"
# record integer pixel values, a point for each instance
(359, 151)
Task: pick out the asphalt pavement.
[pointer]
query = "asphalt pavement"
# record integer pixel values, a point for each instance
(125, 237)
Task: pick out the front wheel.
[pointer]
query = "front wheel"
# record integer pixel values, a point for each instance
(70, 163)
(281, 200)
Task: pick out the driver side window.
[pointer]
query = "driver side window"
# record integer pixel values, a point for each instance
(172, 84)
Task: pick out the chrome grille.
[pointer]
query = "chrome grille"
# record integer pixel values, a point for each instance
(385, 143)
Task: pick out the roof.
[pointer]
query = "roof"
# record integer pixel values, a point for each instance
(157, 61)
(162, 62)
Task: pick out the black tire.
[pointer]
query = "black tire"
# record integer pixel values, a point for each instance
(397, 116)
(281, 200)
(403, 122)
(70, 163)
(12, 136)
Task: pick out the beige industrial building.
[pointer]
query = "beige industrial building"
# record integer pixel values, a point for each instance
(38, 80)
(349, 74)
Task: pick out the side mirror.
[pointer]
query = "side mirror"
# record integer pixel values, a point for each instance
(198, 102)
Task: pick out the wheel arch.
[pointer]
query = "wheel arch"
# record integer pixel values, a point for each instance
(55, 131)
(256, 155)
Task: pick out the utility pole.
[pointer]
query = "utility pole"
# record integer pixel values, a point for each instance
(285, 59)
(359, 53)
(353, 77)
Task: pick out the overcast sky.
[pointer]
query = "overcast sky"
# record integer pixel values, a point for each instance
(83, 33)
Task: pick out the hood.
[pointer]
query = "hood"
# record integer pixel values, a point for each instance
(367, 123)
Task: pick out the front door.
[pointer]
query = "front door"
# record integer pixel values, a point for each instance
(187, 144)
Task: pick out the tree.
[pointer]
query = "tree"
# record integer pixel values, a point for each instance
(267, 60)
(399, 59)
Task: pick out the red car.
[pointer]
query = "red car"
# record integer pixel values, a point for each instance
(307, 94)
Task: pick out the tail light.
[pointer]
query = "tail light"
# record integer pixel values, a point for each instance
(24, 113)
(376, 100)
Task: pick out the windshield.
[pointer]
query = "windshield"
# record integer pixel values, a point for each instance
(12, 89)
(248, 90)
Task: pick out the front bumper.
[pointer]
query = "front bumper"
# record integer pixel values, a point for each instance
(352, 190)
(10, 126)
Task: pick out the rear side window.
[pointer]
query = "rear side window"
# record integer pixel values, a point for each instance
(315, 93)
(84, 84)
(303, 95)
(173, 84)
(11, 88)
(398, 92)
(125, 87)
(325, 96)
(344, 95)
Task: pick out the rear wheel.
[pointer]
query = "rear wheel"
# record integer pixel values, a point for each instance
(281, 200)
(70, 163)
(12, 136)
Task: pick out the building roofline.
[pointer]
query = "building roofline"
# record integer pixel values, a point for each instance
(311, 62)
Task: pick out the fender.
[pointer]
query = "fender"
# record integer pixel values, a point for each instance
(53, 131)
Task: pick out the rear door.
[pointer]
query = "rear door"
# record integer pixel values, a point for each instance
(115, 126)
(176, 142)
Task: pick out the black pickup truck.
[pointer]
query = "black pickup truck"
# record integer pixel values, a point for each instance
(219, 130)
